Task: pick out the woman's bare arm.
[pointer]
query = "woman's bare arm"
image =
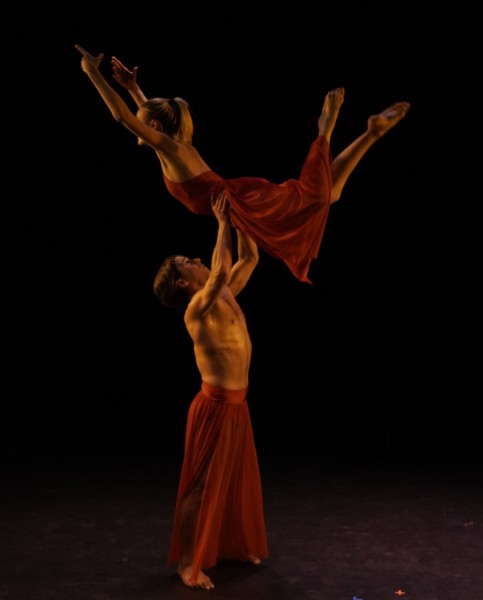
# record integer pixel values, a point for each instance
(128, 80)
(119, 109)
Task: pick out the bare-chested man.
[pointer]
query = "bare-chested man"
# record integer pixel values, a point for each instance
(219, 509)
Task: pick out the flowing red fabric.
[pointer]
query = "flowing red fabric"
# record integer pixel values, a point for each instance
(286, 220)
(220, 449)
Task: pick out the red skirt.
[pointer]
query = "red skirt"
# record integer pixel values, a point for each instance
(220, 449)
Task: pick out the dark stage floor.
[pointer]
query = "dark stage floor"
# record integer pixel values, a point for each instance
(346, 531)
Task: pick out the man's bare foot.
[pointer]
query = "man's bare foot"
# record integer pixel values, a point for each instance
(202, 581)
(330, 111)
(378, 125)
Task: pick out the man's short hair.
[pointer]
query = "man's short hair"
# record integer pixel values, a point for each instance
(165, 287)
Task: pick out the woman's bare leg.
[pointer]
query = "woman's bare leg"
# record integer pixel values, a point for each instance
(377, 125)
(330, 111)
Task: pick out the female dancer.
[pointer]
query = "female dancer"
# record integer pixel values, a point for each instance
(286, 220)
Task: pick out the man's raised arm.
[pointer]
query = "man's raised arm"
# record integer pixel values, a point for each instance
(247, 261)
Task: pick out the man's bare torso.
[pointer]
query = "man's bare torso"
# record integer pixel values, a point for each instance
(222, 345)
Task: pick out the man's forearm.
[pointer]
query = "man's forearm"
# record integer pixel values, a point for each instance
(246, 249)
(222, 254)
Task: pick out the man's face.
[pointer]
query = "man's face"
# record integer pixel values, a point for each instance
(191, 269)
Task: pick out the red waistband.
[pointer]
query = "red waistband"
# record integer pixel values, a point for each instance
(223, 395)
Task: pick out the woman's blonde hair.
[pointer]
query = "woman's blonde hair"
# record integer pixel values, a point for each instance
(174, 114)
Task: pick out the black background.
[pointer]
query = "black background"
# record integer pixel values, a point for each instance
(379, 357)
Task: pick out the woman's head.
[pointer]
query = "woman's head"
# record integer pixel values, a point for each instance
(172, 114)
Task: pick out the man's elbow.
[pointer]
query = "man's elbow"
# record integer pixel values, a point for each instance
(254, 257)
(250, 261)
(221, 275)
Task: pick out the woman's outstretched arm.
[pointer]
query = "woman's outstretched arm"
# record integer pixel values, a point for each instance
(117, 106)
(128, 80)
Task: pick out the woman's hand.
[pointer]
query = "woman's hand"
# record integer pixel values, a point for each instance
(125, 77)
(89, 63)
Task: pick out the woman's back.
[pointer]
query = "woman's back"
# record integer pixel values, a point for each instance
(181, 162)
